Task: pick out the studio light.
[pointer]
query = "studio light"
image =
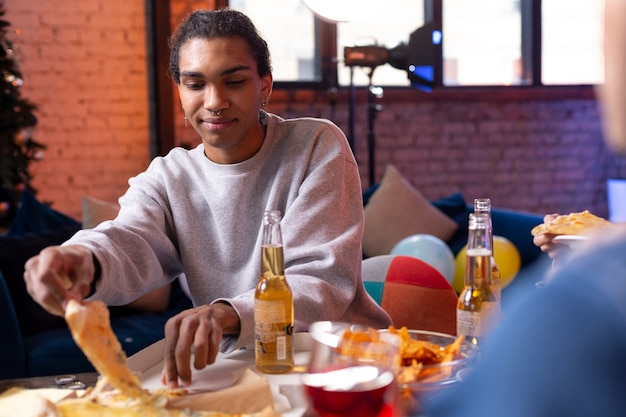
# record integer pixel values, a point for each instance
(417, 57)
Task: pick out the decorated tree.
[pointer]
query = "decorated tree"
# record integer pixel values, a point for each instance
(17, 122)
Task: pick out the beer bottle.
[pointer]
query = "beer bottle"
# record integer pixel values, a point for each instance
(273, 303)
(478, 306)
(483, 205)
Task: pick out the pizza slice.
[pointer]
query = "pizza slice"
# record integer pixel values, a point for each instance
(118, 393)
(90, 326)
(572, 224)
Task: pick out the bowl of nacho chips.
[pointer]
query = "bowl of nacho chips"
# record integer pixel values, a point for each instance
(429, 362)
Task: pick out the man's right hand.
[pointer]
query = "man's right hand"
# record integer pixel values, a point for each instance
(58, 274)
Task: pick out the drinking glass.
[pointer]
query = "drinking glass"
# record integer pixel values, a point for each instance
(353, 380)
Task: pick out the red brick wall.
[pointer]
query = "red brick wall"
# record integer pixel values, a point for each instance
(84, 65)
(533, 151)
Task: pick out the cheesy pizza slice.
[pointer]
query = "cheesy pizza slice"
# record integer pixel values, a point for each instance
(572, 224)
(90, 326)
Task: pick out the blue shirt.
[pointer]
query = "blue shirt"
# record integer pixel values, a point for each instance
(560, 350)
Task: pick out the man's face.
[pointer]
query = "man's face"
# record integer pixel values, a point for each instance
(221, 75)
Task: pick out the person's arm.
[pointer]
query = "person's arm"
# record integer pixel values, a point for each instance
(136, 251)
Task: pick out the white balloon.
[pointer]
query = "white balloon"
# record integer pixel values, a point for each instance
(429, 249)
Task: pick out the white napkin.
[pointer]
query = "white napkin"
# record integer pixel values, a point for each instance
(222, 374)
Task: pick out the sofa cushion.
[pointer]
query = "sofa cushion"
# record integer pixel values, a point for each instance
(397, 210)
(96, 211)
(456, 208)
(33, 216)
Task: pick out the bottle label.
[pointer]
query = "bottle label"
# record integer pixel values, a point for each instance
(271, 319)
(468, 323)
(478, 323)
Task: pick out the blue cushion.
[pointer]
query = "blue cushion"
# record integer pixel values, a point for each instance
(32, 216)
(14, 252)
(368, 193)
(454, 206)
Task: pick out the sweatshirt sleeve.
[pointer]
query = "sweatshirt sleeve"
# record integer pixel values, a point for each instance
(136, 251)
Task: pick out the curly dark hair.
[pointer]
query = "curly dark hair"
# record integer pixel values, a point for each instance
(222, 23)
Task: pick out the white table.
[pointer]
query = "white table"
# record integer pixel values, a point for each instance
(287, 395)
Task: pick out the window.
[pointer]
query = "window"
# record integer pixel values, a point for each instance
(487, 43)
(571, 50)
(288, 26)
(482, 45)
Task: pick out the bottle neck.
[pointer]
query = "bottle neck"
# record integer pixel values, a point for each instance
(272, 261)
(272, 257)
(483, 205)
(479, 251)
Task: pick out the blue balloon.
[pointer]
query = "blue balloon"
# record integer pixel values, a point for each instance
(429, 249)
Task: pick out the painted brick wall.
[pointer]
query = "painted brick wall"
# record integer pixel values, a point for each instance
(84, 66)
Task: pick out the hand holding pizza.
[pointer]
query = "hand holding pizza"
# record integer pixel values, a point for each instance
(553, 225)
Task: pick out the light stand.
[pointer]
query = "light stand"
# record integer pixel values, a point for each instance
(351, 112)
(373, 93)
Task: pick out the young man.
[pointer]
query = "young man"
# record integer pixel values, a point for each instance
(200, 211)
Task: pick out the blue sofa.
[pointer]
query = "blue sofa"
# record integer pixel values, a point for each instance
(35, 343)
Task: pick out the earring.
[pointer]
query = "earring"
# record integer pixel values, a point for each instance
(186, 118)
(265, 102)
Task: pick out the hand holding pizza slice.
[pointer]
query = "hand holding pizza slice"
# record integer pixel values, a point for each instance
(572, 224)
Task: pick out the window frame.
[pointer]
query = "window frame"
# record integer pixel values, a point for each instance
(326, 52)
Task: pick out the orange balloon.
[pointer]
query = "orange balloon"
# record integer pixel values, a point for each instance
(507, 258)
